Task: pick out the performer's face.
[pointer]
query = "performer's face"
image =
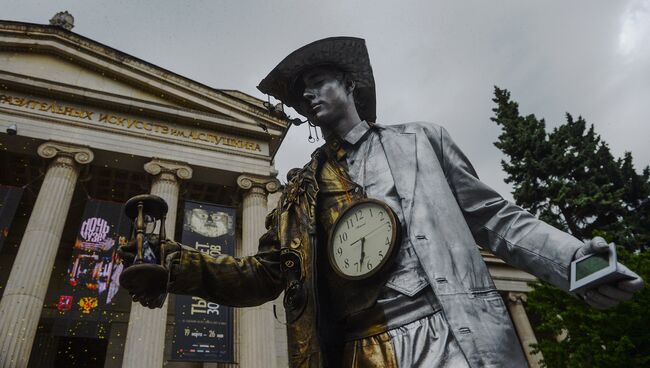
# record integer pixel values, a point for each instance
(326, 98)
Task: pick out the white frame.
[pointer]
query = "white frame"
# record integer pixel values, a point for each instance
(596, 276)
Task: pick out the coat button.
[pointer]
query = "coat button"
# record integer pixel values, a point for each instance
(295, 243)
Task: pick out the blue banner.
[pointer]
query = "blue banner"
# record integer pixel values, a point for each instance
(203, 331)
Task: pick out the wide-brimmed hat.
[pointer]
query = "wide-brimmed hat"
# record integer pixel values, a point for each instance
(349, 54)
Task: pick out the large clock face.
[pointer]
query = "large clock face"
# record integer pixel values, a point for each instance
(363, 239)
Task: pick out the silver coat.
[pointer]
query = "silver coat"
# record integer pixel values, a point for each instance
(448, 210)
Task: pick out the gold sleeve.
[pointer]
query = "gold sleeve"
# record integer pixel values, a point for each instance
(227, 280)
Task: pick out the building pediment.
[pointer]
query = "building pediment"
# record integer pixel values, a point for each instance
(49, 54)
(54, 68)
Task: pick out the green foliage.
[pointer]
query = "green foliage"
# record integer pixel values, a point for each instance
(618, 337)
(570, 179)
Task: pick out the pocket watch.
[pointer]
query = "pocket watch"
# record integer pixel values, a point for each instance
(363, 239)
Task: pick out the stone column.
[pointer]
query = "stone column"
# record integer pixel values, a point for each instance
(524, 329)
(145, 337)
(22, 302)
(256, 327)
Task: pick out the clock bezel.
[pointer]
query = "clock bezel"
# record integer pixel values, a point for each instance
(395, 237)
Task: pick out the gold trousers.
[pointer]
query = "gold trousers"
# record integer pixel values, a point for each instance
(426, 342)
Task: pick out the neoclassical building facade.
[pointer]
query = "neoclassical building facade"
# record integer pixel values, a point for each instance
(80, 120)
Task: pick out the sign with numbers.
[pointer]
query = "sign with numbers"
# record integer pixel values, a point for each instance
(203, 330)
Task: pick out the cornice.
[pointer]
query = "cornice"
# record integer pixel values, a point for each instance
(109, 129)
(34, 37)
(135, 106)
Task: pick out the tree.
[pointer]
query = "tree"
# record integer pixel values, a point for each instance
(570, 179)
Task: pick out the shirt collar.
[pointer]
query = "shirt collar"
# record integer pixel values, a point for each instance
(357, 133)
(354, 136)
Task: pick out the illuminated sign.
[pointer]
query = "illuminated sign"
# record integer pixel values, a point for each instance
(92, 280)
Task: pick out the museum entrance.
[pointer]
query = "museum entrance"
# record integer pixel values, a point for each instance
(51, 351)
(84, 321)
(80, 352)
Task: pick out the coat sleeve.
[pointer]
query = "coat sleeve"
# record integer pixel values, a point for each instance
(233, 281)
(510, 232)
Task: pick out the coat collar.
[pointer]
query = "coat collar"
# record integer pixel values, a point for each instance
(400, 149)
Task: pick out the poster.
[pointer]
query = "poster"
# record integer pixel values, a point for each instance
(9, 199)
(91, 281)
(203, 331)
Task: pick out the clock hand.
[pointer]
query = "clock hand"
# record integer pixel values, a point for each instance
(363, 254)
(371, 231)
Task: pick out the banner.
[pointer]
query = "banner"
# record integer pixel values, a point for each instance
(9, 199)
(203, 331)
(92, 277)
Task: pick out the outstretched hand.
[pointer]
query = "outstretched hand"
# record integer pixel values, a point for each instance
(149, 301)
(129, 251)
(608, 295)
(139, 294)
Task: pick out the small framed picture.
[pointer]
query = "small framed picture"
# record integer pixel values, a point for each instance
(595, 269)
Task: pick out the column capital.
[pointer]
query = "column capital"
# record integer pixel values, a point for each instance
(179, 170)
(517, 297)
(51, 149)
(252, 182)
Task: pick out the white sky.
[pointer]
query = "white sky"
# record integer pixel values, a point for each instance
(433, 60)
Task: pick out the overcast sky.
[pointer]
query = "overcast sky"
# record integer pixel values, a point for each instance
(433, 60)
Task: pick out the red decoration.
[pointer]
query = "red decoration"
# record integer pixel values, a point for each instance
(65, 303)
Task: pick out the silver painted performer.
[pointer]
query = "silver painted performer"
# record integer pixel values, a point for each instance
(374, 241)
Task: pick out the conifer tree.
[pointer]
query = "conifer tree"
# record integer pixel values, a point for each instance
(569, 178)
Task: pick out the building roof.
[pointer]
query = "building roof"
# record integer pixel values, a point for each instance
(233, 110)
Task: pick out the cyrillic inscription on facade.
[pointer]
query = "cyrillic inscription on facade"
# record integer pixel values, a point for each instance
(133, 124)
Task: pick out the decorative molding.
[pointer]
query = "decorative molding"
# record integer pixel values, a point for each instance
(252, 182)
(264, 159)
(70, 45)
(114, 102)
(158, 166)
(514, 297)
(63, 19)
(81, 155)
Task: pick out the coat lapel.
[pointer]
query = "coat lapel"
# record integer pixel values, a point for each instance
(400, 152)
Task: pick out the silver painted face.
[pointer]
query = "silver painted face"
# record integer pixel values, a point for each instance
(325, 98)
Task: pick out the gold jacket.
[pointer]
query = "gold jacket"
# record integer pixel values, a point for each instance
(285, 261)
